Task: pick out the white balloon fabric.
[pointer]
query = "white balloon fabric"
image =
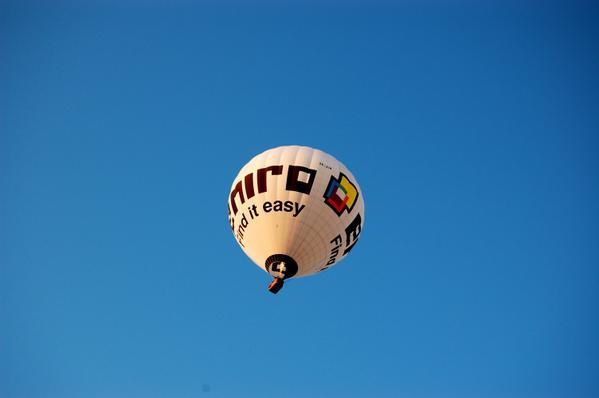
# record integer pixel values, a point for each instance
(295, 211)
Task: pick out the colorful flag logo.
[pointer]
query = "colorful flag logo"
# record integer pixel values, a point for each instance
(341, 194)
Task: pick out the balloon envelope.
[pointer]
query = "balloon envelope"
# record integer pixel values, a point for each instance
(295, 211)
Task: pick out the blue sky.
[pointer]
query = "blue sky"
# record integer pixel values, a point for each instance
(472, 128)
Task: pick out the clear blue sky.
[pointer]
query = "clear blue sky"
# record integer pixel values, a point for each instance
(473, 130)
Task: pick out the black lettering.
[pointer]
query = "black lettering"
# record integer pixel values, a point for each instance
(231, 219)
(298, 209)
(275, 170)
(352, 232)
(267, 207)
(293, 182)
(278, 205)
(240, 231)
(337, 241)
(288, 205)
(249, 185)
(333, 256)
(239, 192)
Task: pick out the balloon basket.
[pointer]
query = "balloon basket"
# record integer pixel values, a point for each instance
(275, 285)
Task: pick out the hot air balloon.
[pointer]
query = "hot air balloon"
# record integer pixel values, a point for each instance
(295, 211)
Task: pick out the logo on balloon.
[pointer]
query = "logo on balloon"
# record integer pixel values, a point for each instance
(341, 194)
(281, 266)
